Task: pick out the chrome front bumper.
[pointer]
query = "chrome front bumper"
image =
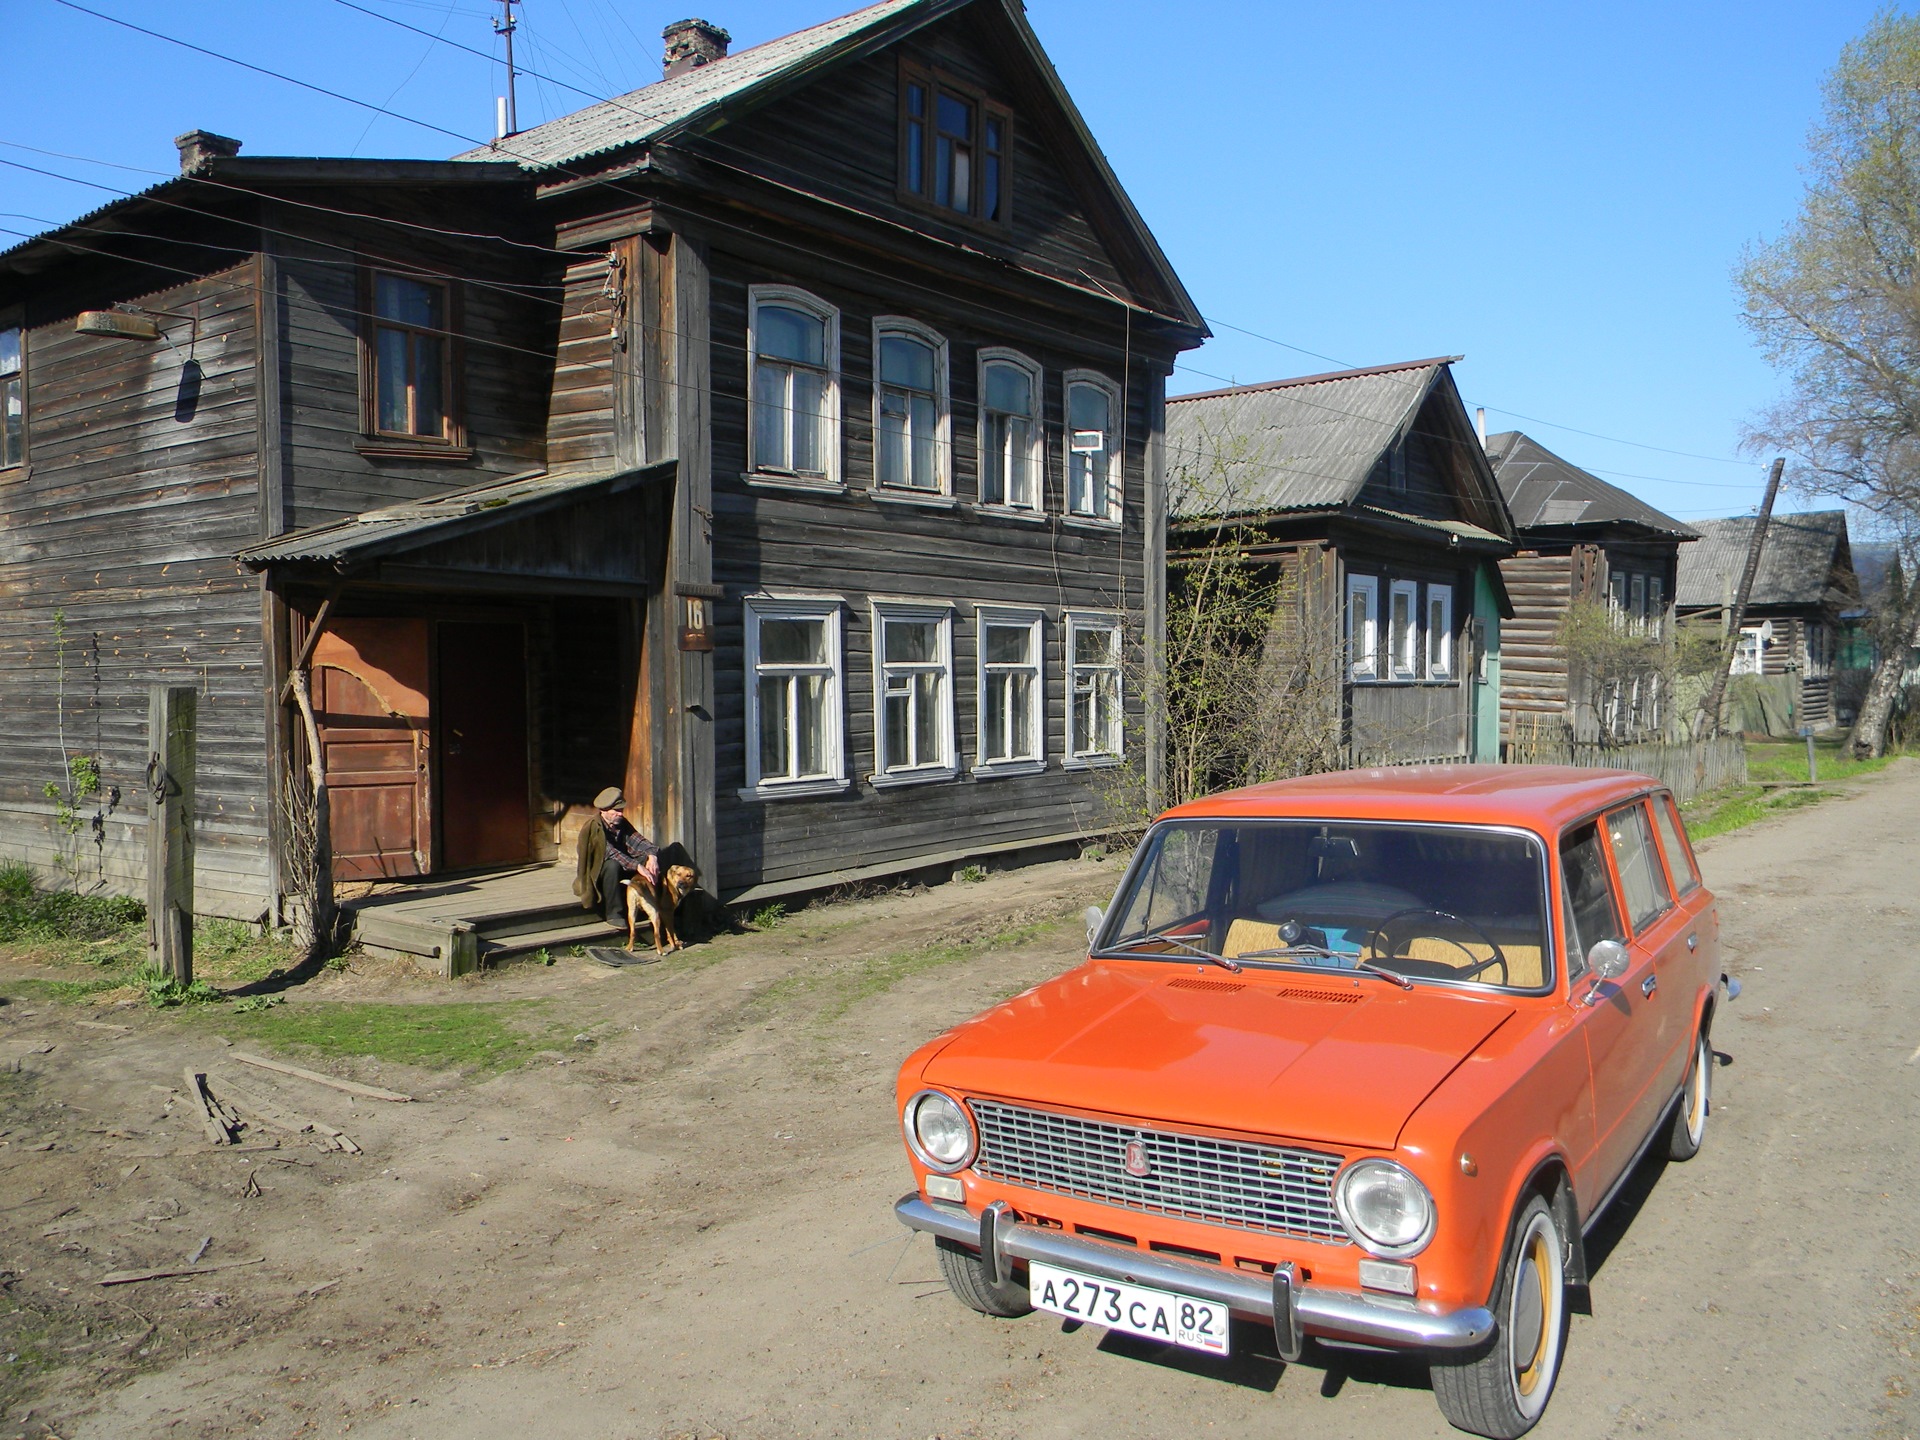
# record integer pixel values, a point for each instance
(1294, 1310)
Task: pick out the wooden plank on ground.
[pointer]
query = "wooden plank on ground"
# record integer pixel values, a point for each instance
(372, 1092)
(134, 1277)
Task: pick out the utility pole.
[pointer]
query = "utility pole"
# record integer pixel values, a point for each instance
(1710, 714)
(508, 121)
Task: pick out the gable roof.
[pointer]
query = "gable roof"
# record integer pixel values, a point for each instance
(1796, 561)
(1545, 491)
(1289, 445)
(708, 96)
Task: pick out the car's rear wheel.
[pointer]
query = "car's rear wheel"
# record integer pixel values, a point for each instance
(1006, 1297)
(1696, 1101)
(1502, 1390)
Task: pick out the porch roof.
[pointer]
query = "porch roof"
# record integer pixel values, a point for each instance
(395, 530)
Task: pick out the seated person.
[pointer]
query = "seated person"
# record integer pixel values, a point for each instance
(610, 850)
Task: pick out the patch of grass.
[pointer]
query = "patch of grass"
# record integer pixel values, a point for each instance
(767, 917)
(1785, 761)
(44, 917)
(1741, 806)
(970, 874)
(164, 992)
(467, 1036)
(73, 990)
(831, 993)
(16, 880)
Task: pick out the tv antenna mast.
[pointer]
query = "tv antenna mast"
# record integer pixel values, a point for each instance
(507, 116)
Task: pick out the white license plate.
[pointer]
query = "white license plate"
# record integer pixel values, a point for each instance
(1133, 1309)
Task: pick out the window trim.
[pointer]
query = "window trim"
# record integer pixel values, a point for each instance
(766, 605)
(935, 80)
(1367, 670)
(1072, 623)
(795, 298)
(989, 355)
(374, 441)
(885, 325)
(18, 469)
(1443, 593)
(1411, 669)
(940, 612)
(1010, 617)
(1115, 459)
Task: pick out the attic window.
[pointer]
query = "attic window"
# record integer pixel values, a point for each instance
(954, 147)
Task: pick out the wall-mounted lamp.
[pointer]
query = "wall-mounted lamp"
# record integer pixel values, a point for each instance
(132, 322)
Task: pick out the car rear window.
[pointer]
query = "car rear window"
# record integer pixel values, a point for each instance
(1673, 840)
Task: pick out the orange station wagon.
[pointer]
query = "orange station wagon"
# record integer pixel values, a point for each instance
(1359, 1056)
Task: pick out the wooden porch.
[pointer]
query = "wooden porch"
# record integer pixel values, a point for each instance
(452, 925)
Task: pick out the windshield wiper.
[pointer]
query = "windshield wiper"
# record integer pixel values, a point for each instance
(1322, 953)
(1139, 940)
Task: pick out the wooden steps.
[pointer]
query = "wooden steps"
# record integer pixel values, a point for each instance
(453, 926)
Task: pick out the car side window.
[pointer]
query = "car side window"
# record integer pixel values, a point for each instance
(1641, 877)
(1586, 897)
(1183, 880)
(1673, 840)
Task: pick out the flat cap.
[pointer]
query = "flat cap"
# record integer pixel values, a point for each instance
(610, 799)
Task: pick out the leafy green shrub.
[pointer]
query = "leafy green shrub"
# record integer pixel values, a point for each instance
(63, 915)
(971, 874)
(16, 880)
(767, 916)
(164, 992)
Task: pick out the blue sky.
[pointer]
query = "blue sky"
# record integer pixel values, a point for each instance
(1557, 192)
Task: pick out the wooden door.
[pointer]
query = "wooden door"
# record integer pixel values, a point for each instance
(370, 702)
(485, 818)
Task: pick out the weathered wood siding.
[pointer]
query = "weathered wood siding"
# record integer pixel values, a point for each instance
(1533, 662)
(141, 484)
(839, 138)
(580, 421)
(857, 547)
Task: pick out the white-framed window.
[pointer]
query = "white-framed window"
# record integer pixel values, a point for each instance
(1656, 607)
(793, 351)
(1093, 446)
(1749, 651)
(794, 690)
(1012, 441)
(1439, 632)
(912, 692)
(910, 445)
(1363, 627)
(1012, 692)
(1403, 629)
(13, 396)
(1094, 727)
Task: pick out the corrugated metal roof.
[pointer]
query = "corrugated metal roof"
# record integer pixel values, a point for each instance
(640, 115)
(1304, 444)
(1543, 489)
(395, 528)
(1795, 562)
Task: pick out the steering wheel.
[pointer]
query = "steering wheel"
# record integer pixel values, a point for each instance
(1498, 957)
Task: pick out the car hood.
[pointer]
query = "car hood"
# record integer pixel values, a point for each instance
(1338, 1061)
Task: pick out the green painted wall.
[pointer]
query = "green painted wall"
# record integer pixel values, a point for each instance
(1486, 697)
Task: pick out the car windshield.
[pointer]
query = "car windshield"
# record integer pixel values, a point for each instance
(1430, 903)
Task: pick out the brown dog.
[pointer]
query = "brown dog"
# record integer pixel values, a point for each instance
(660, 901)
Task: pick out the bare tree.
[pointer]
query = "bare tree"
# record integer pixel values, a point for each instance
(1835, 304)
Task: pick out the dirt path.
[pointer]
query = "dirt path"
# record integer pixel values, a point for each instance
(679, 1225)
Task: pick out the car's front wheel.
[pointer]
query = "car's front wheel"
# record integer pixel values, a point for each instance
(1503, 1389)
(1005, 1297)
(1696, 1098)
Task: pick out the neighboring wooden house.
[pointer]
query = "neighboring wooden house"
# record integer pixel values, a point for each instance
(1371, 488)
(780, 441)
(1796, 611)
(1581, 539)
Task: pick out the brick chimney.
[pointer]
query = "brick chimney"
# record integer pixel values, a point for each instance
(200, 148)
(693, 43)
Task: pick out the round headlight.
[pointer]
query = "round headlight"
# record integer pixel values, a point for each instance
(938, 1131)
(1384, 1208)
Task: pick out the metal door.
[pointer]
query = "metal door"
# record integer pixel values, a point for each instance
(370, 705)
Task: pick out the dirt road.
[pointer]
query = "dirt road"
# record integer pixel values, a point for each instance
(678, 1224)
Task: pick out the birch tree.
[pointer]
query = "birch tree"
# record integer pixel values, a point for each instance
(1834, 302)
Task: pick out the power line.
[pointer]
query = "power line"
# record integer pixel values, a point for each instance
(1616, 440)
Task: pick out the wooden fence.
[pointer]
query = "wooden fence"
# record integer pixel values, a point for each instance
(1688, 769)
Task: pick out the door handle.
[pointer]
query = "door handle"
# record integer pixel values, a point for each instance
(1649, 985)
(1693, 942)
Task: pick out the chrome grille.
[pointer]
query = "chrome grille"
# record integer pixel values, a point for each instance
(1273, 1188)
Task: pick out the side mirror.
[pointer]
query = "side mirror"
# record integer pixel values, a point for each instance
(1606, 960)
(1096, 917)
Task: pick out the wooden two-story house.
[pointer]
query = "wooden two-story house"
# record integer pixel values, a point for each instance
(1368, 490)
(1588, 551)
(781, 442)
